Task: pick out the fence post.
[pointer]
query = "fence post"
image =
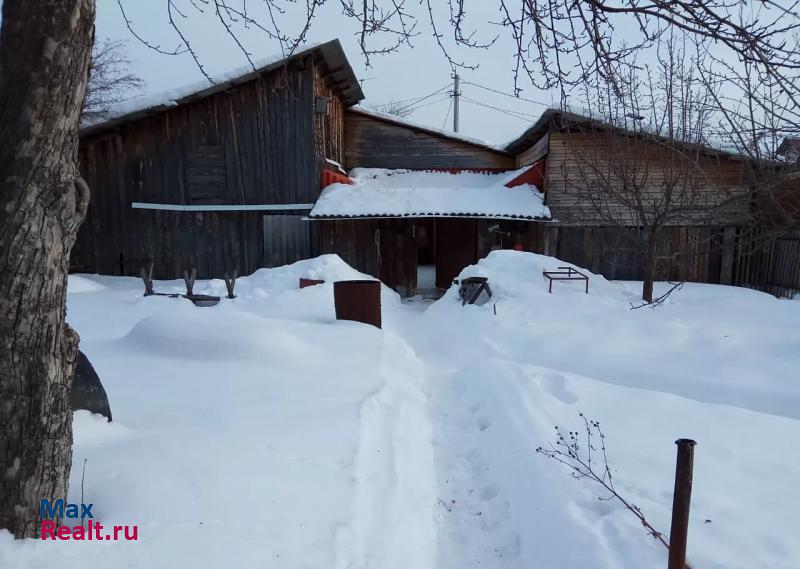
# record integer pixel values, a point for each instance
(681, 500)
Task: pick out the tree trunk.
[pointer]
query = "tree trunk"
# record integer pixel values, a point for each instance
(45, 46)
(649, 270)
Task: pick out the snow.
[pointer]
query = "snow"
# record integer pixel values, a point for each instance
(382, 192)
(171, 96)
(263, 432)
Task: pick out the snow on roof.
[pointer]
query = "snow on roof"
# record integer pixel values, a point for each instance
(131, 109)
(419, 126)
(580, 115)
(377, 192)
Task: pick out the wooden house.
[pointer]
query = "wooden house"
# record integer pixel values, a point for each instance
(551, 156)
(392, 244)
(251, 173)
(575, 154)
(218, 178)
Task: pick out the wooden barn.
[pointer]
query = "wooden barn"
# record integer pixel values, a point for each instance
(219, 178)
(253, 172)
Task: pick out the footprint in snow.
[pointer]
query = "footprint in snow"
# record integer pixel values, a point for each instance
(556, 385)
(489, 492)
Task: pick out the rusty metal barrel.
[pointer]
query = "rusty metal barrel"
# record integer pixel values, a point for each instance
(358, 300)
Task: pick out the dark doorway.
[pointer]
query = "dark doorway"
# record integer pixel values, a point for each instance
(426, 256)
(398, 255)
(456, 248)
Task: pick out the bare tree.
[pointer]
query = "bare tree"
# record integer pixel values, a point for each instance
(395, 108)
(585, 456)
(110, 79)
(45, 48)
(646, 164)
(755, 114)
(555, 42)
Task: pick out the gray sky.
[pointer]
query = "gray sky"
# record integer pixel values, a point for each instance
(403, 75)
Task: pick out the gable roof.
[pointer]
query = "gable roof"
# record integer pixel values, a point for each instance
(330, 54)
(428, 130)
(542, 126)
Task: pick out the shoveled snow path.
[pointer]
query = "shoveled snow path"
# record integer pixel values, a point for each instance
(501, 505)
(394, 472)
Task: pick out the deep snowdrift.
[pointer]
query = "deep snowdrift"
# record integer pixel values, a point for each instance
(257, 433)
(262, 432)
(500, 383)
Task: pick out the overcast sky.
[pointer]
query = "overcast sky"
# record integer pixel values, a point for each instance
(402, 75)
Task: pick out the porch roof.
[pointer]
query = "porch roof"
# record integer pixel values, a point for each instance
(409, 193)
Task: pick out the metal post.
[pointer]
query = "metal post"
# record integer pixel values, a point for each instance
(456, 95)
(681, 500)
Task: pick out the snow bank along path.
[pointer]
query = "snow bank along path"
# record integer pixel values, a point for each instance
(257, 433)
(261, 432)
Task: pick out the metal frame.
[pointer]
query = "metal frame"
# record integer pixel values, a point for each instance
(565, 274)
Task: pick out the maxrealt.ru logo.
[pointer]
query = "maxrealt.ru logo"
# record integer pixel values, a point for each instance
(93, 531)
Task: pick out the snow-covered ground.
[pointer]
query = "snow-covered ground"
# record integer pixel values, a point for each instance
(262, 432)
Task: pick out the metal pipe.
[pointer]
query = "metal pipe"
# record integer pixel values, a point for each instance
(681, 500)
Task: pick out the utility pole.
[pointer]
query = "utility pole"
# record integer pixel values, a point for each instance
(456, 95)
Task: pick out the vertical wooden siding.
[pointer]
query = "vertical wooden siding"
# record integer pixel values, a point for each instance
(269, 133)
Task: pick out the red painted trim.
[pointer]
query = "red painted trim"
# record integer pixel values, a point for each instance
(533, 175)
(330, 177)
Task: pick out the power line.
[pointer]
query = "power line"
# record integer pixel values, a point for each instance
(415, 109)
(420, 99)
(509, 112)
(506, 94)
(447, 116)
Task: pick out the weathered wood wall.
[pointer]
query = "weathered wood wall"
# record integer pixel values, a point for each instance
(696, 254)
(536, 152)
(768, 260)
(713, 187)
(371, 142)
(329, 126)
(383, 248)
(387, 249)
(256, 143)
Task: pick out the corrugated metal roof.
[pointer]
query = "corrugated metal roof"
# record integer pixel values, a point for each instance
(405, 193)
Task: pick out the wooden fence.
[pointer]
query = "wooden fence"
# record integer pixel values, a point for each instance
(768, 261)
(763, 259)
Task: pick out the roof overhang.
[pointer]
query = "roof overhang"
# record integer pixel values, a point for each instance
(556, 120)
(330, 55)
(378, 193)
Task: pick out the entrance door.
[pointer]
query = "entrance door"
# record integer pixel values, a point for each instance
(398, 254)
(456, 248)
